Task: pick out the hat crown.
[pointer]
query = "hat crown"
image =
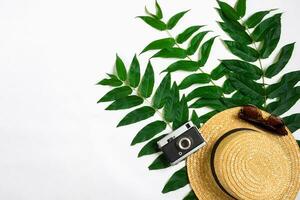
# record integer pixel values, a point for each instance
(250, 164)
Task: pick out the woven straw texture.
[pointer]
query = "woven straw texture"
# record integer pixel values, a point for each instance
(249, 164)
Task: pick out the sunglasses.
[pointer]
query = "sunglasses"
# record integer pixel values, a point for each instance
(254, 115)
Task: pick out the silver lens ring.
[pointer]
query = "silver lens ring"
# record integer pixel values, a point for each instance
(185, 143)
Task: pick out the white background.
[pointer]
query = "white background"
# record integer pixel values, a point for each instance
(55, 141)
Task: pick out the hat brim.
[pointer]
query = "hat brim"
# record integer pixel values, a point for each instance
(199, 168)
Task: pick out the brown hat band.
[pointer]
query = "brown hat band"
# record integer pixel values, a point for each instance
(214, 149)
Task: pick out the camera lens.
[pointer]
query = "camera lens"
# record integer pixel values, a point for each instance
(185, 143)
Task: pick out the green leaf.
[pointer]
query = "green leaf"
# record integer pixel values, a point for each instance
(195, 42)
(112, 81)
(171, 53)
(283, 58)
(285, 102)
(194, 119)
(270, 41)
(125, 103)
(240, 7)
(292, 122)
(147, 83)
(211, 103)
(234, 102)
(160, 44)
(243, 68)
(151, 147)
(227, 87)
(153, 22)
(235, 33)
(182, 114)
(200, 78)
(159, 163)
(204, 118)
(247, 86)
(137, 115)
(205, 51)
(159, 13)
(242, 51)
(159, 98)
(212, 92)
(149, 13)
(288, 81)
(238, 95)
(182, 65)
(178, 180)
(190, 196)
(256, 18)
(187, 33)
(239, 99)
(261, 30)
(174, 19)
(116, 93)
(219, 71)
(149, 131)
(134, 73)
(121, 70)
(234, 24)
(228, 11)
(171, 104)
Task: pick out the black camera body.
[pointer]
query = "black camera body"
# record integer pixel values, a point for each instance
(181, 143)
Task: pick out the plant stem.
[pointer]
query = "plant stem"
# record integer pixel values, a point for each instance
(149, 104)
(188, 57)
(260, 65)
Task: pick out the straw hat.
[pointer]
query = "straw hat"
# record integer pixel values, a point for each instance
(243, 161)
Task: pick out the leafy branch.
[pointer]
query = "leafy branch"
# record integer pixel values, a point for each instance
(171, 48)
(248, 80)
(125, 87)
(196, 41)
(132, 90)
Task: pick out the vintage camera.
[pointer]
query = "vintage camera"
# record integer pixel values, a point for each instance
(181, 143)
